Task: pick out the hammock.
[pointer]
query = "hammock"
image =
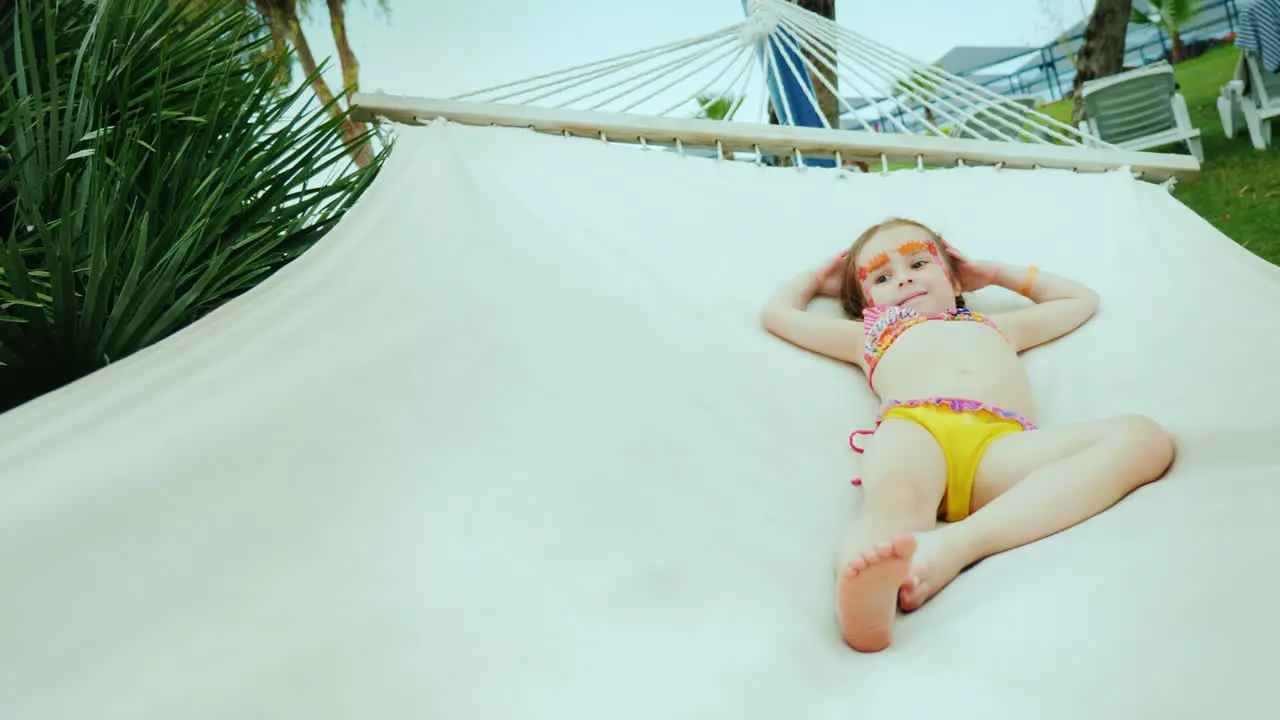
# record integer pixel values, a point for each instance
(510, 443)
(893, 108)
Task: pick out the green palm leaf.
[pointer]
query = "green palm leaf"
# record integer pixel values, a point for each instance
(150, 171)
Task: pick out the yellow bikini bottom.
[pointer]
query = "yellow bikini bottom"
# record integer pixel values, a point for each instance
(963, 429)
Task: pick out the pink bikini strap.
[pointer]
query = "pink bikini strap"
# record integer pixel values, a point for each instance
(858, 481)
(870, 315)
(856, 433)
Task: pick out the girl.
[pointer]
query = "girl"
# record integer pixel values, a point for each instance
(953, 440)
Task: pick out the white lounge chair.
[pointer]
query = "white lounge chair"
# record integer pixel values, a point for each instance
(1140, 109)
(1254, 94)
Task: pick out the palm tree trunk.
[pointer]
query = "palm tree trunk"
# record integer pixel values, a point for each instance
(293, 33)
(286, 30)
(1102, 52)
(275, 13)
(297, 38)
(362, 153)
(280, 48)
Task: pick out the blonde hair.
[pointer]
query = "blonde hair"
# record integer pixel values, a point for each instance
(851, 297)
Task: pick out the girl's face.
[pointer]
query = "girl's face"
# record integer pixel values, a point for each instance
(902, 265)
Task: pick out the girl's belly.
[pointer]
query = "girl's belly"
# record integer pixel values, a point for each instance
(974, 364)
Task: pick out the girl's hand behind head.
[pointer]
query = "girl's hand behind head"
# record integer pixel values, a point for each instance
(972, 274)
(830, 277)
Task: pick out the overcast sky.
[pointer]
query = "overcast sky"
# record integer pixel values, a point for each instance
(438, 48)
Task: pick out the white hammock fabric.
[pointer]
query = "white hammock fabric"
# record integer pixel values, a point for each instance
(892, 107)
(511, 443)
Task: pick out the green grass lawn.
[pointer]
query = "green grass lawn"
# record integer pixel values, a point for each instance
(1238, 188)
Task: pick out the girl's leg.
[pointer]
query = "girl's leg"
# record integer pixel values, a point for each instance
(1033, 484)
(904, 475)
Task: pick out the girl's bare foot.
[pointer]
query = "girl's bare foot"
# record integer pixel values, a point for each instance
(937, 562)
(867, 593)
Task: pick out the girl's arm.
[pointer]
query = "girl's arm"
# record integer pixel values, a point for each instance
(784, 315)
(1061, 305)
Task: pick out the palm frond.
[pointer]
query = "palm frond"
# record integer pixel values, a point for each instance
(151, 169)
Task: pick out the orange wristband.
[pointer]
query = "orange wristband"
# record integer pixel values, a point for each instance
(1028, 281)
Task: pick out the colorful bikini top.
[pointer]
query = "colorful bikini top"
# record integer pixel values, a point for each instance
(882, 325)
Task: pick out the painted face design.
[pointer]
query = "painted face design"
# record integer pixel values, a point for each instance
(867, 272)
(916, 246)
(874, 264)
